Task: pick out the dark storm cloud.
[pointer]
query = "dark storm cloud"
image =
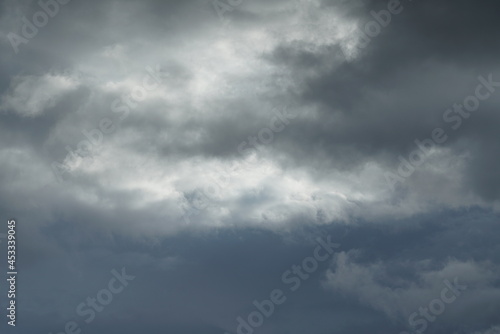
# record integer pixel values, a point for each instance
(222, 82)
(399, 87)
(208, 279)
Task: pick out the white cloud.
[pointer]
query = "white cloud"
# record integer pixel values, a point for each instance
(372, 285)
(30, 96)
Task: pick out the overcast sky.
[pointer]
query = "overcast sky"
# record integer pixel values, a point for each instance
(203, 147)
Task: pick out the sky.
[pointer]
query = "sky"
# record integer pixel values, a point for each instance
(251, 166)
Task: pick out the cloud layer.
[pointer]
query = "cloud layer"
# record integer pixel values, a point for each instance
(203, 145)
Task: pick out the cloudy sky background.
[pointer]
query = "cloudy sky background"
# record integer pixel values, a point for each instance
(206, 226)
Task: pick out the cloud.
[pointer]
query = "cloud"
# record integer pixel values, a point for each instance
(30, 96)
(380, 286)
(269, 125)
(492, 330)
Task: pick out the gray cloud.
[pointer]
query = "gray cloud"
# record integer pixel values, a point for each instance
(207, 191)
